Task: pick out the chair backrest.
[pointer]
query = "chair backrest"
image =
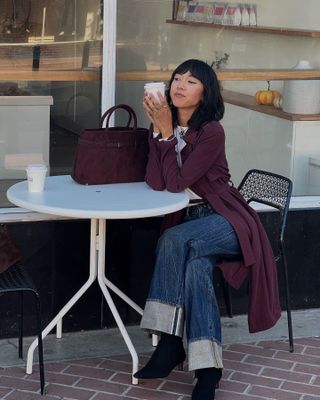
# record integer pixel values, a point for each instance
(268, 188)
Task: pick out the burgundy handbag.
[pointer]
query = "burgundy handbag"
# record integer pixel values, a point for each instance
(112, 155)
(9, 251)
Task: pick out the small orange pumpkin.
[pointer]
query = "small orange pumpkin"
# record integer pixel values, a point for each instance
(266, 97)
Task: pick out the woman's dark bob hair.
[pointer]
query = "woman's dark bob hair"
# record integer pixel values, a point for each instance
(212, 106)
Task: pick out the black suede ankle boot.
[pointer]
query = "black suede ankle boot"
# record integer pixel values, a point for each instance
(168, 354)
(206, 385)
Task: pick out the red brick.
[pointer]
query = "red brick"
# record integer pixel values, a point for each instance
(177, 387)
(280, 345)
(270, 362)
(276, 394)
(306, 368)
(301, 358)
(255, 380)
(286, 375)
(224, 395)
(62, 379)
(317, 382)
(106, 396)
(17, 383)
(4, 391)
(228, 372)
(17, 395)
(126, 380)
(241, 366)
(308, 341)
(234, 356)
(247, 376)
(88, 362)
(127, 358)
(313, 351)
(101, 386)
(88, 372)
(181, 376)
(69, 392)
(251, 349)
(151, 394)
(232, 386)
(310, 397)
(116, 366)
(16, 372)
(301, 388)
(55, 367)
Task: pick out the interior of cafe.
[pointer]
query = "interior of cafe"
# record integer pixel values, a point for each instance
(63, 63)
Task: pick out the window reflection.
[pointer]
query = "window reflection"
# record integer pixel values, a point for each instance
(50, 50)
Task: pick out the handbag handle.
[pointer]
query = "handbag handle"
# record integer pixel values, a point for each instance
(132, 115)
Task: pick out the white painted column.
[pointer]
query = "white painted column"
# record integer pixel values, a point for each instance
(109, 55)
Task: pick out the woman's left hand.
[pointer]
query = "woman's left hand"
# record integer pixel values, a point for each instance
(160, 113)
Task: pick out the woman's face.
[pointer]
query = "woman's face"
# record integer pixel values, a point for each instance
(186, 92)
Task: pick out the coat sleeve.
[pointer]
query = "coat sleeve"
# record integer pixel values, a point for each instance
(207, 150)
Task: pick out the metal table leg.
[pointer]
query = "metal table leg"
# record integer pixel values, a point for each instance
(102, 279)
(58, 318)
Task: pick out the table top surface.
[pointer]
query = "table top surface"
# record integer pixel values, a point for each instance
(63, 196)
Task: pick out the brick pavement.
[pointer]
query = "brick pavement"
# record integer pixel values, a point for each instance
(261, 370)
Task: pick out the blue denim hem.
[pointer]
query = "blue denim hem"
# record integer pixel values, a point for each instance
(158, 316)
(204, 354)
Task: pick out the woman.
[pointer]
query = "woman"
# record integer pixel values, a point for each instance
(187, 152)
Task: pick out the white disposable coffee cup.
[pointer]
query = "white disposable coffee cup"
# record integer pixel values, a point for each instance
(154, 88)
(36, 174)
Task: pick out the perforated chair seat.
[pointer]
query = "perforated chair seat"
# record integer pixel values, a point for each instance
(16, 279)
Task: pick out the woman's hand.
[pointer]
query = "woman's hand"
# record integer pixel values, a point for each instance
(159, 114)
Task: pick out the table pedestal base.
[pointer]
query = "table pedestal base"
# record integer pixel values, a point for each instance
(97, 271)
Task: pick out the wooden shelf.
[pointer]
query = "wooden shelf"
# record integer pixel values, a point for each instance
(252, 29)
(223, 75)
(248, 102)
(50, 43)
(50, 76)
(227, 75)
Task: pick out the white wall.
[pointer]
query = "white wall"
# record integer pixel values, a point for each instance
(302, 14)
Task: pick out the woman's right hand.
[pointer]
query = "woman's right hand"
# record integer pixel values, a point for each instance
(159, 114)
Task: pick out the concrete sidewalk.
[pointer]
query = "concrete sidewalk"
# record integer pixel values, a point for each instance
(96, 366)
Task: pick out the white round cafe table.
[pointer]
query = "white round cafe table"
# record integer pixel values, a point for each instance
(64, 197)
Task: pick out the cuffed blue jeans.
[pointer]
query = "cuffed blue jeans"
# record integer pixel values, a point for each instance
(181, 294)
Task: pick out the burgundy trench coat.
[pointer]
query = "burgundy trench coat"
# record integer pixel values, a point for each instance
(205, 171)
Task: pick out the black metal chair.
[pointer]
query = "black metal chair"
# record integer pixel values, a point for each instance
(16, 279)
(275, 191)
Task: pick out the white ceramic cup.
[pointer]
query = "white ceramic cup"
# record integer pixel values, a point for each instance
(154, 88)
(36, 174)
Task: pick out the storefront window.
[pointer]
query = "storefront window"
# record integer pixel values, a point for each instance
(50, 82)
(155, 36)
(51, 52)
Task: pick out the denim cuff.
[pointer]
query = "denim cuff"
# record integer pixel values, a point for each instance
(163, 318)
(204, 353)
